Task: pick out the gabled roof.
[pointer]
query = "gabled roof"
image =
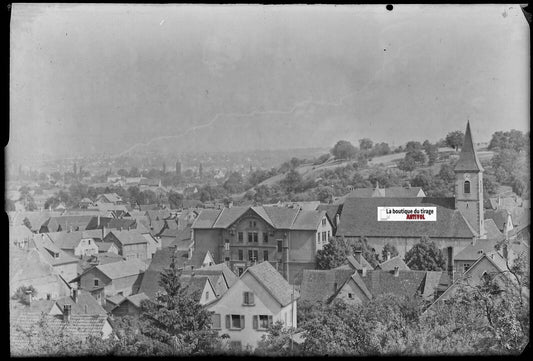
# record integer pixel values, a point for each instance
(473, 252)
(228, 216)
(50, 252)
(111, 197)
(468, 160)
(407, 283)
(128, 237)
(322, 285)
(158, 214)
(282, 217)
(229, 277)
(66, 222)
(111, 223)
(392, 263)
(359, 218)
(102, 258)
(499, 216)
(308, 220)
(272, 281)
(492, 230)
(331, 210)
(395, 192)
(86, 304)
(70, 240)
(121, 269)
(354, 264)
(137, 299)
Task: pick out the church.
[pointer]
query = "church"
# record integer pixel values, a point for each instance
(460, 220)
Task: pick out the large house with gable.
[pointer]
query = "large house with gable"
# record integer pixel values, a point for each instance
(288, 238)
(460, 220)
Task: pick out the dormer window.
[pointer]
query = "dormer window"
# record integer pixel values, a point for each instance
(467, 187)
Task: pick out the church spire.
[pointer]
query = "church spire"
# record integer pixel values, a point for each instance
(468, 161)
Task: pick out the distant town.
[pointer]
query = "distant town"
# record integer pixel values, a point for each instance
(274, 253)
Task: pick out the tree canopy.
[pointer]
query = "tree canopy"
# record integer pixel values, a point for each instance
(425, 256)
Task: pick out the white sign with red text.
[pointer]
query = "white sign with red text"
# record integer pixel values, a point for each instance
(414, 214)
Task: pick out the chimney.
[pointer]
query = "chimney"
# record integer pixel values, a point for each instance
(98, 222)
(505, 251)
(396, 271)
(48, 297)
(66, 313)
(75, 295)
(363, 271)
(29, 297)
(357, 255)
(337, 220)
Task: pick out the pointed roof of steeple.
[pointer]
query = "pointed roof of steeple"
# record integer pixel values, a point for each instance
(468, 160)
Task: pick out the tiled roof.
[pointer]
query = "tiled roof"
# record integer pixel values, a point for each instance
(392, 263)
(128, 237)
(137, 299)
(499, 216)
(468, 160)
(49, 251)
(112, 223)
(282, 217)
(81, 326)
(121, 269)
(37, 218)
(321, 285)
(331, 210)
(492, 230)
(160, 261)
(308, 220)
(53, 224)
(206, 219)
(111, 197)
(472, 252)
(359, 218)
(101, 258)
(116, 299)
(407, 283)
(104, 246)
(272, 281)
(229, 276)
(228, 216)
(433, 281)
(85, 305)
(354, 264)
(195, 284)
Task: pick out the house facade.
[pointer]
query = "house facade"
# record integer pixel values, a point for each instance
(130, 244)
(242, 236)
(259, 298)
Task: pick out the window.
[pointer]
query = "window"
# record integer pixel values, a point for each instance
(265, 255)
(240, 270)
(466, 266)
(467, 187)
(265, 237)
(324, 237)
(96, 282)
(324, 222)
(256, 237)
(248, 299)
(250, 237)
(350, 295)
(262, 322)
(226, 259)
(206, 295)
(226, 245)
(241, 255)
(280, 245)
(235, 322)
(256, 255)
(241, 237)
(250, 255)
(215, 321)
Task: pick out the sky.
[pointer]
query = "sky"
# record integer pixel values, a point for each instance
(88, 78)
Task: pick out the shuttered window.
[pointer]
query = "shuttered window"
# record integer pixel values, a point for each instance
(248, 298)
(235, 322)
(262, 322)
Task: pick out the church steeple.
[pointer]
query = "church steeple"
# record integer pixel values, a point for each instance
(469, 185)
(468, 160)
